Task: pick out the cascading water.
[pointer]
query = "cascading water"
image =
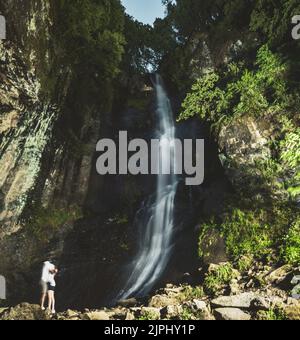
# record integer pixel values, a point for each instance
(156, 218)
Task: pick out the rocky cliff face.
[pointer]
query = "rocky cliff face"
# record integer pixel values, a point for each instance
(26, 129)
(37, 169)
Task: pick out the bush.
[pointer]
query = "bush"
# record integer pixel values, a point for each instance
(47, 221)
(219, 97)
(190, 293)
(247, 233)
(291, 249)
(189, 314)
(258, 231)
(290, 157)
(273, 314)
(218, 278)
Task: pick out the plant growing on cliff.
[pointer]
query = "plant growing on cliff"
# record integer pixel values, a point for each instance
(291, 249)
(290, 156)
(218, 97)
(45, 222)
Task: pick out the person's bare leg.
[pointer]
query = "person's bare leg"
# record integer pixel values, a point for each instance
(49, 300)
(43, 299)
(53, 303)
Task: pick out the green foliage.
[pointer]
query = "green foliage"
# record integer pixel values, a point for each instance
(273, 314)
(219, 97)
(205, 237)
(92, 33)
(47, 221)
(291, 248)
(290, 156)
(89, 44)
(188, 314)
(261, 232)
(148, 315)
(218, 278)
(245, 263)
(247, 233)
(190, 293)
(273, 22)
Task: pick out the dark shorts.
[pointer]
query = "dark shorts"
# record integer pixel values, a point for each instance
(51, 288)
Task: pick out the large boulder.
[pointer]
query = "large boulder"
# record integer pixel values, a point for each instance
(280, 275)
(201, 309)
(242, 144)
(243, 301)
(231, 314)
(293, 312)
(172, 312)
(161, 301)
(97, 316)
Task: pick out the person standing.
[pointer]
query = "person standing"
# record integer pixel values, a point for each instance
(48, 285)
(51, 289)
(44, 282)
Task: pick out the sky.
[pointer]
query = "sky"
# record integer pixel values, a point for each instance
(145, 11)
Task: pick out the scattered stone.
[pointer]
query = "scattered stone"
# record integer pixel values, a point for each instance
(292, 312)
(235, 288)
(129, 317)
(97, 316)
(231, 314)
(25, 312)
(243, 301)
(260, 303)
(296, 289)
(70, 314)
(279, 275)
(200, 305)
(172, 312)
(201, 308)
(128, 303)
(161, 301)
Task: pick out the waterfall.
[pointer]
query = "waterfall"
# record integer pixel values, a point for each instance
(156, 218)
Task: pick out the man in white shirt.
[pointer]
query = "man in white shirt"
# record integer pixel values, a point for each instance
(47, 277)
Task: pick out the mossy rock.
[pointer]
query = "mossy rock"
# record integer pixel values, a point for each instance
(293, 312)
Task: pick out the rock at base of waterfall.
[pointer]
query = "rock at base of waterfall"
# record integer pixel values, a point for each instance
(96, 316)
(172, 312)
(128, 303)
(243, 300)
(25, 312)
(231, 314)
(201, 309)
(279, 275)
(292, 312)
(162, 301)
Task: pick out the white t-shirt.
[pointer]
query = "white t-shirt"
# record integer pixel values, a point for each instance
(46, 275)
(52, 279)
